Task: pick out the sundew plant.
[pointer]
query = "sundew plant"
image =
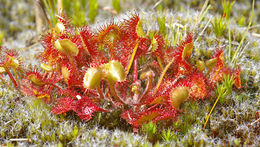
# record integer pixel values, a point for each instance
(139, 78)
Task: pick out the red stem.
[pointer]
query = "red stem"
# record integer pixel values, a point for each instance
(100, 92)
(113, 92)
(11, 76)
(74, 66)
(148, 87)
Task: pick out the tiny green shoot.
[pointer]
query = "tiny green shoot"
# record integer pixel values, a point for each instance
(227, 7)
(167, 135)
(116, 5)
(52, 10)
(219, 26)
(93, 10)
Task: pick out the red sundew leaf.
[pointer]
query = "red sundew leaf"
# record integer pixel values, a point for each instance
(110, 33)
(154, 66)
(177, 52)
(36, 78)
(73, 93)
(237, 80)
(75, 79)
(50, 54)
(143, 47)
(53, 55)
(75, 40)
(167, 85)
(62, 105)
(65, 20)
(158, 46)
(108, 36)
(85, 108)
(67, 92)
(37, 74)
(154, 114)
(130, 26)
(163, 93)
(70, 76)
(42, 92)
(123, 50)
(158, 100)
(218, 74)
(83, 58)
(39, 79)
(122, 88)
(11, 53)
(129, 116)
(27, 87)
(47, 40)
(146, 117)
(91, 92)
(3, 58)
(198, 86)
(8, 52)
(167, 114)
(90, 41)
(219, 55)
(182, 67)
(188, 39)
(8, 56)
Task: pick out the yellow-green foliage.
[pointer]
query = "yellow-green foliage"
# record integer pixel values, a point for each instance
(219, 26)
(116, 5)
(92, 10)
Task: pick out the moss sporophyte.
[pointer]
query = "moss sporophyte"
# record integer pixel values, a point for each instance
(88, 69)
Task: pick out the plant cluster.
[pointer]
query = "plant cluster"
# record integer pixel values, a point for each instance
(120, 66)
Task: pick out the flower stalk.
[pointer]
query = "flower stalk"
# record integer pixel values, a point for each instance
(132, 58)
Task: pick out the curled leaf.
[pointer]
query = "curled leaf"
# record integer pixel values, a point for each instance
(200, 65)
(114, 71)
(46, 67)
(66, 46)
(92, 78)
(36, 80)
(187, 51)
(178, 95)
(146, 74)
(211, 63)
(59, 28)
